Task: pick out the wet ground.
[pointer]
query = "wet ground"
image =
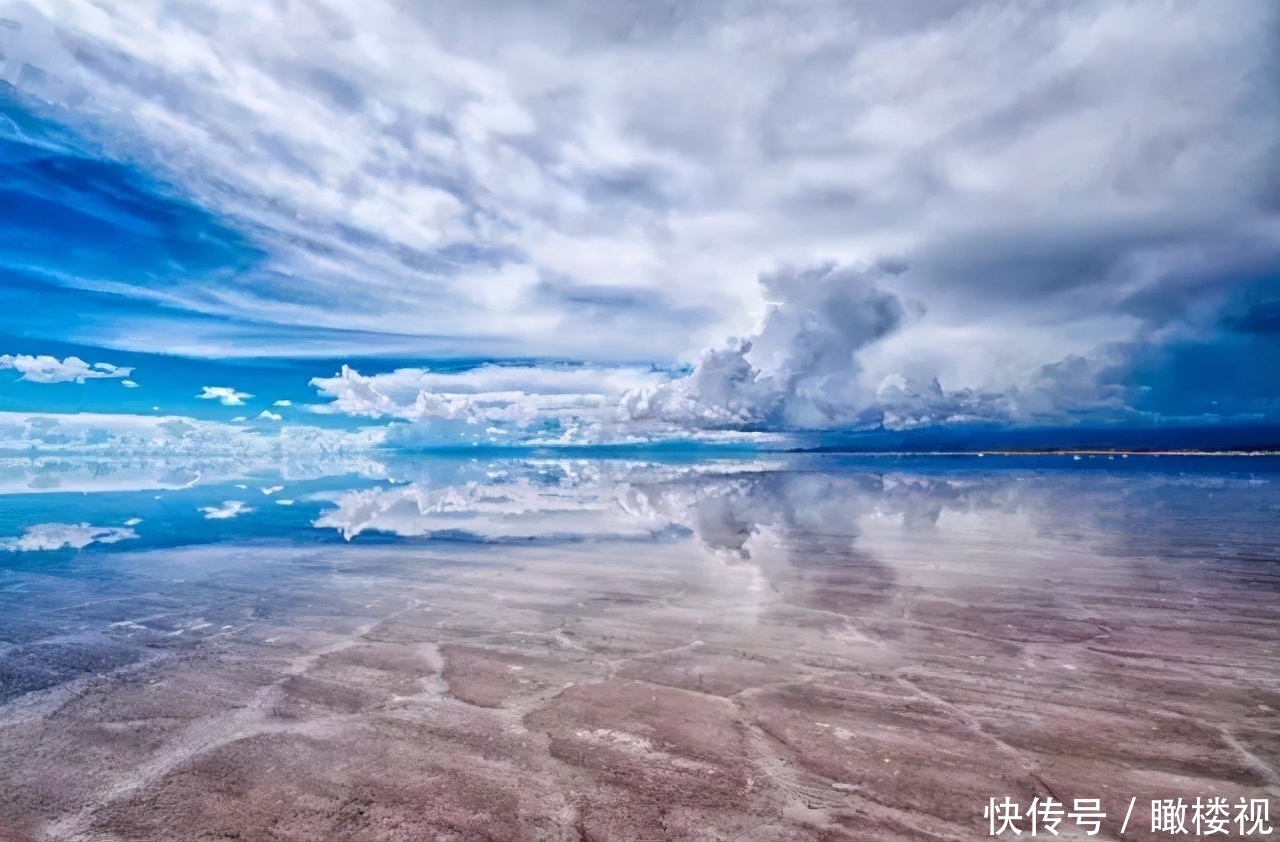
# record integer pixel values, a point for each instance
(628, 653)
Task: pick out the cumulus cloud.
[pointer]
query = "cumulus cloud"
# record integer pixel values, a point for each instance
(224, 395)
(270, 416)
(283, 403)
(803, 367)
(487, 395)
(46, 369)
(57, 536)
(800, 368)
(128, 384)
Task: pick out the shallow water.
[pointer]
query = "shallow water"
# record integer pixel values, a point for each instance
(791, 648)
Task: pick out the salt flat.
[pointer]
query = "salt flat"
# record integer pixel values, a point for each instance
(829, 652)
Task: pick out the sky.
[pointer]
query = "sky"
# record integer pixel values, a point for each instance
(581, 222)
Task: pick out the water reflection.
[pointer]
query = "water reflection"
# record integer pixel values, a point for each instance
(723, 502)
(863, 646)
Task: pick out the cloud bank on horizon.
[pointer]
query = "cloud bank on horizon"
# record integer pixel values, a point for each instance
(713, 216)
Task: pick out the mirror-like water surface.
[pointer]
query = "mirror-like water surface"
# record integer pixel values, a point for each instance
(803, 648)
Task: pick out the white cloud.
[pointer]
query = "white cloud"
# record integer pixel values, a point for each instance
(536, 406)
(509, 180)
(228, 509)
(270, 416)
(224, 395)
(56, 536)
(284, 502)
(128, 384)
(800, 368)
(46, 369)
(272, 489)
(522, 395)
(549, 181)
(283, 403)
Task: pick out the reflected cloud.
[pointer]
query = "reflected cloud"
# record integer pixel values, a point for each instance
(569, 503)
(229, 509)
(900, 513)
(161, 472)
(57, 536)
(873, 609)
(750, 511)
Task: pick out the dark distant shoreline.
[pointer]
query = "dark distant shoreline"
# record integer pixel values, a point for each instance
(1092, 453)
(1255, 439)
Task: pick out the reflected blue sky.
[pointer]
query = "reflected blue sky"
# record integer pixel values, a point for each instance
(148, 504)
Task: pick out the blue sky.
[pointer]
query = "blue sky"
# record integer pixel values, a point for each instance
(584, 222)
